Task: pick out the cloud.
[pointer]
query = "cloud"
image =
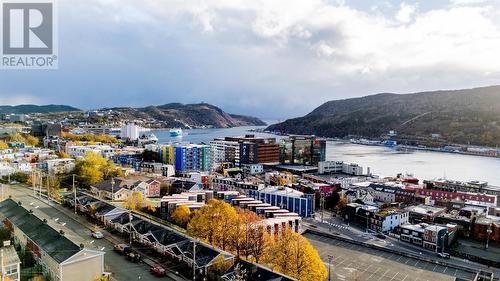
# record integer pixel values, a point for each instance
(405, 13)
(16, 99)
(245, 55)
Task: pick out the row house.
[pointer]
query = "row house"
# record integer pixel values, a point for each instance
(121, 189)
(477, 198)
(431, 237)
(60, 257)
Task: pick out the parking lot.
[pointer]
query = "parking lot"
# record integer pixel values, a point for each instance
(353, 262)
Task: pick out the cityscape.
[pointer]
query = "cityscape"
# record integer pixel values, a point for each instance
(260, 140)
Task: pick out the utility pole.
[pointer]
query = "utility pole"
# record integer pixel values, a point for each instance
(130, 228)
(3, 271)
(488, 233)
(194, 260)
(322, 204)
(112, 189)
(74, 191)
(330, 257)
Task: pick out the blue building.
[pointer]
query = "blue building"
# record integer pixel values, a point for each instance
(190, 157)
(286, 198)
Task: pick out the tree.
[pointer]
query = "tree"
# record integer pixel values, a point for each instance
(214, 223)
(3, 145)
(17, 138)
(95, 168)
(63, 154)
(246, 220)
(332, 200)
(342, 204)
(135, 201)
(31, 140)
(181, 216)
(258, 240)
(291, 254)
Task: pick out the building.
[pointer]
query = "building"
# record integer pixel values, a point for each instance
(337, 167)
(226, 151)
(130, 131)
(17, 118)
(77, 151)
(424, 213)
(166, 154)
(60, 257)
(253, 169)
(42, 129)
(435, 238)
(439, 195)
(189, 157)
(58, 166)
(286, 198)
(154, 168)
(120, 189)
(388, 219)
(487, 228)
(413, 233)
(256, 150)
(10, 263)
(302, 150)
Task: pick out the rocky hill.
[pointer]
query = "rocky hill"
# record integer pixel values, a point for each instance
(31, 108)
(459, 116)
(187, 115)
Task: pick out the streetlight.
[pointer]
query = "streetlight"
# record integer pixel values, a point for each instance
(367, 220)
(112, 189)
(488, 233)
(330, 257)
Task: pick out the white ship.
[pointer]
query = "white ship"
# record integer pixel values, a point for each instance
(175, 132)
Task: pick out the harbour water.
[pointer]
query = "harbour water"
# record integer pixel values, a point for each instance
(382, 161)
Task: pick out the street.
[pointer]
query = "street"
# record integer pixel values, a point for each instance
(78, 230)
(337, 226)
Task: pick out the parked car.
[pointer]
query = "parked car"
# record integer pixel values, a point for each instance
(97, 234)
(158, 271)
(381, 235)
(134, 256)
(123, 249)
(444, 255)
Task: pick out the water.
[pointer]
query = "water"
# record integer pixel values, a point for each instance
(385, 161)
(381, 160)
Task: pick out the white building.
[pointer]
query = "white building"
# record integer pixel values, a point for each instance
(334, 167)
(58, 166)
(130, 131)
(79, 151)
(387, 220)
(10, 264)
(225, 151)
(253, 169)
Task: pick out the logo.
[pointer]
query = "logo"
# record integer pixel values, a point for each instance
(29, 35)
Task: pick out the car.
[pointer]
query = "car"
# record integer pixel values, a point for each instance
(381, 235)
(158, 271)
(97, 234)
(123, 249)
(444, 255)
(134, 256)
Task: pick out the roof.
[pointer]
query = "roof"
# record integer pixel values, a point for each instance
(49, 240)
(9, 256)
(256, 271)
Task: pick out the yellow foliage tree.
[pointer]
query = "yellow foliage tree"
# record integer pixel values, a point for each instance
(214, 223)
(94, 168)
(17, 138)
(243, 237)
(135, 201)
(181, 215)
(3, 145)
(31, 140)
(291, 254)
(63, 154)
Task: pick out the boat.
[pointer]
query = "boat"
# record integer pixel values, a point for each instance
(175, 132)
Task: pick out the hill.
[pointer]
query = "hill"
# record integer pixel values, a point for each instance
(187, 115)
(458, 116)
(31, 108)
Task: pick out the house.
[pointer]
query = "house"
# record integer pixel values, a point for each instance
(60, 257)
(388, 219)
(255, 271)
(360, 194)
(115, 189)
(413, 233)
(58, 166)
(149, 188)
(10, 263)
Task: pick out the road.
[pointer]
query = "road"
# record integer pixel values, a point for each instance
(358, 234)
(355, 262)
(77, 229)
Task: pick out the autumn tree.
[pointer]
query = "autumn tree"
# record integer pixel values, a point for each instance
(3, 145)
(214, 223)
(291, 254)
(342, 204)
(134, 201)
(181, 216)
(31, 140)
(17, 138)
(94, 168)
(246, 220)
(63, 154)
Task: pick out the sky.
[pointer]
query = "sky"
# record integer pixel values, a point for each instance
(274, 59)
